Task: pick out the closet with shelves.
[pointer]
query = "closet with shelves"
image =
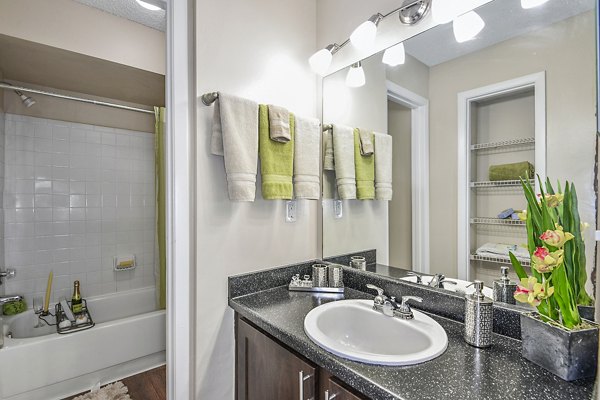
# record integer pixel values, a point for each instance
(504, 124)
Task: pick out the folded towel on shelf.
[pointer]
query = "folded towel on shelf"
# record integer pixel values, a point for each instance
(510, 172)
(383, 166)
(343, 150)
(307, 135)
(328, 160)
(279, 124)
(276, 160)
(365, 171)
(235, 137)
(506, 213)
(502, 249)
(366, 142)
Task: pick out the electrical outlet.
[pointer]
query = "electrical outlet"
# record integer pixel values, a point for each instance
(337, 209)
(291, 208)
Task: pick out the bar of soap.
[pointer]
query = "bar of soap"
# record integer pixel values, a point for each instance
(81, 319)
(64, 324)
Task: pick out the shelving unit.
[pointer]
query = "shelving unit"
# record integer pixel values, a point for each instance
(499, 124)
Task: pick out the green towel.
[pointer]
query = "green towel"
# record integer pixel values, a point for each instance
(276, 160)
(510, 172)
(365, 170)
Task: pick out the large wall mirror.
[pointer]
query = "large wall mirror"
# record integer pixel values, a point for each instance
(523, 90)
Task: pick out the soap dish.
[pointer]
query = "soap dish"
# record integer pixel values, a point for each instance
(73, 326)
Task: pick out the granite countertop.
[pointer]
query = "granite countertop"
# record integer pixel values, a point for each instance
(462, 372)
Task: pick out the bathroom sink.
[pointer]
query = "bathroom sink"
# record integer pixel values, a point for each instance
(352, 329)
(460, 287)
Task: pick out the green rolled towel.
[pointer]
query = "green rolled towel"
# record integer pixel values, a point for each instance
(510, 172)
(16, 307)
(365, 171)
(276, 160)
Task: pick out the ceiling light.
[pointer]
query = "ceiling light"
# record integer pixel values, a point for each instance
(363, 36)
(148, 6)
(394, 55)
(467, 26)
(532, 3)
(356, 76)
(320, 61)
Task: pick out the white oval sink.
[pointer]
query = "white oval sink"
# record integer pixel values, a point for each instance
(353, 330)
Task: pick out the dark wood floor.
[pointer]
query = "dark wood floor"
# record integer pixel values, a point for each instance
(149, 385)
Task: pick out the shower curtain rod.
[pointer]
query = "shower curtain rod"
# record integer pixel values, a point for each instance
(81, 99)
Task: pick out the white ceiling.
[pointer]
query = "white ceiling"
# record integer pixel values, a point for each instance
(130, 10)
(504, 19)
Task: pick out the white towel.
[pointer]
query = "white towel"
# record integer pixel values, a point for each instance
(328, 161)
(235, 137)
(383, 166)
(343, 150)
(502, 249)
(307, 184)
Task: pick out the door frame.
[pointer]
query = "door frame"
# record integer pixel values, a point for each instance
(419, 142)
(537, 81)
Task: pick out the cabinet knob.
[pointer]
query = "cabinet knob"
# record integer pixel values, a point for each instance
(330, 397)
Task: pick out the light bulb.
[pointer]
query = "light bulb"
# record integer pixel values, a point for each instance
(444, 11)
(148, 6)
(363, 36)
(356, 76)
(320, 61)
(532, 3)
(467, 26)
(394, 55)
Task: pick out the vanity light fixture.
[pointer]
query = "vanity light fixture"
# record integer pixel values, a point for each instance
(356, 76)
(467, 26)
(320, 61)
(394, 55)
(363, 36)
(532, 3)
(444, 11)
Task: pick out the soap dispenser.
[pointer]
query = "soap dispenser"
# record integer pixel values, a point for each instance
(504, 289)
(479, 317)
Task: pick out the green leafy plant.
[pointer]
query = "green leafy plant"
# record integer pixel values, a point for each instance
(555, 242)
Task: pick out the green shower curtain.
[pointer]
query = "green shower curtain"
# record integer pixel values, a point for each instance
(159, 159)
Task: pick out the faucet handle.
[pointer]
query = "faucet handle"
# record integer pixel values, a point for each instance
(380, 298)
(404, 311)
(7, 274)
(406, 299)
(379, 290)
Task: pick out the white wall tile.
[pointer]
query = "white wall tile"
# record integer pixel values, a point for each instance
(75, 196)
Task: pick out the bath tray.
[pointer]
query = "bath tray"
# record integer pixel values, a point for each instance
(60, 316)
(308, 287)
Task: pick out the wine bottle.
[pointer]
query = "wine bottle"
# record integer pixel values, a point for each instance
(76, 302)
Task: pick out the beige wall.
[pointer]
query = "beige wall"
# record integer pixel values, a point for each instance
(566, 51)
(238, 52)
(400, 208)
(413, 75)
(364, 224)
(75, 27)
(74, 111)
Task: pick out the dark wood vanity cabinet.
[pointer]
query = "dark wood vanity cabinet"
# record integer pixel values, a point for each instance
(267, 370)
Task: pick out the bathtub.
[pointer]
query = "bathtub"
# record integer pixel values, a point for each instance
(38, 363)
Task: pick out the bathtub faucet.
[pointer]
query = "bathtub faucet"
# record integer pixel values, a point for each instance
(10, 299)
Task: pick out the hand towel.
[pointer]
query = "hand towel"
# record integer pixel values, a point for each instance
(366, 142)
(383, 166)
(307, 135)
(343, 151)
(510, 172)
(276, 160)
(235, 137)
(328, 160)
(365, 171)
(279, 124)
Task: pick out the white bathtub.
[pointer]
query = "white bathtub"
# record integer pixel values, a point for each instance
(38, 363)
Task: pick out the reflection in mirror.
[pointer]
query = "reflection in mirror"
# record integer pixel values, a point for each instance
(460, 115)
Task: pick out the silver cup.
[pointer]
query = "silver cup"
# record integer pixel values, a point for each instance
(358, 262)
(319, 275)
(336, 275)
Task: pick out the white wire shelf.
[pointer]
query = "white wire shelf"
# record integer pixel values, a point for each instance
(497, 184)
(505, 143)
(498, 259)
(497, 221)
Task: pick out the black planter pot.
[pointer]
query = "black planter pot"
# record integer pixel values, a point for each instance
(587, 312)
(570, 355)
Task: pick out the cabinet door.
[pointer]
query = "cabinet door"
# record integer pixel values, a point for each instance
(332, 389)
(265, 370)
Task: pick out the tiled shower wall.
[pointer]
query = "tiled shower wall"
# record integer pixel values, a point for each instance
(76, 196)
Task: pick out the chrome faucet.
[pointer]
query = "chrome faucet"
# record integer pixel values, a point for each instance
(10, 299)
(389, 306)
(439, 280)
